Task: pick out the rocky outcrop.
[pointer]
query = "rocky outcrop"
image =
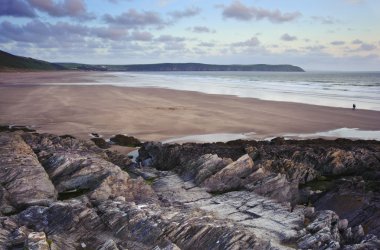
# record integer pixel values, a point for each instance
(230, 177)
(124, 140)
(77, 167)
(100, 142)
(340, 175)
(355, 199)
(23, 181)
(237, 195)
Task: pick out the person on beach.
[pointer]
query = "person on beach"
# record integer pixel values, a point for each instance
(353, 106)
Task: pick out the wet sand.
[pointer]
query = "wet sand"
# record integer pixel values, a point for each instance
(156, 114)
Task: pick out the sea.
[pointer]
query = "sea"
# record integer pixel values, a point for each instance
(334, 89)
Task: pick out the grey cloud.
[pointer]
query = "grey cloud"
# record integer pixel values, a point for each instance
(199, 51)
(201, 29)
(31, 32)
(252, 42)
(170, 38)
(172, 43)
(315, 48)
(292, 51)
(142, 36)
(189, 12)
(286, 37)
(110, 33)
(366, 47)
(357, 41)
(206, 44)
(175, 46)
(69, 8)
(363, 46)
(38, 32)
(325, 20)
(134, 19)
(239, 11)
(338, 43)
(16, 8)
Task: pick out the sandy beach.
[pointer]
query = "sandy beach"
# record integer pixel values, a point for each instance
(156, 114)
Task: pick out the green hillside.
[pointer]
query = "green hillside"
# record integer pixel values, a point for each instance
(9, 62)
(183, 67)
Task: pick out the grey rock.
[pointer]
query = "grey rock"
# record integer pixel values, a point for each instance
(37, 241)
(272, 185)
(165, 203)
(369, 242)
(21, 175)
(230, 177)
(208, 165)
(109, 245)
(76, 165)
(343, 224)
(172, 189)
(309, 212)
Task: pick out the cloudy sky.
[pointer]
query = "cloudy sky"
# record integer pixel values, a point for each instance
(313, 34)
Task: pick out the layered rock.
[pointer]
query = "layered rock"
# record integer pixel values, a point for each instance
(80, 167)
(340, 175)
(23, 181)
(236, 195)
(230, 177)
(37, 241)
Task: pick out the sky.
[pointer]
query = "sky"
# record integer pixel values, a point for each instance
(333, 35)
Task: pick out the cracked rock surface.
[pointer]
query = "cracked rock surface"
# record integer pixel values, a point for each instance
(64, 193)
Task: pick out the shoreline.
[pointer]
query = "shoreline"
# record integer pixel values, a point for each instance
(217, 86)
(159, 114)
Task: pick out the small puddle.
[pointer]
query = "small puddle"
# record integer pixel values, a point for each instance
(210, 138)
(349, 133)
(133, 155)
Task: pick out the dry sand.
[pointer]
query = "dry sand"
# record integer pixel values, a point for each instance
(155, 114)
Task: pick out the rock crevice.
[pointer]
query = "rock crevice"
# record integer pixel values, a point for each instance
(64, 193)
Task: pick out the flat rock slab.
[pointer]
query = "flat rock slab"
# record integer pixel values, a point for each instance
(170, 187)
(271, 221)
(21, 175)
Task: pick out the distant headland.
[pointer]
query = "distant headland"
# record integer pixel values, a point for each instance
(9, 62)
(183, 67)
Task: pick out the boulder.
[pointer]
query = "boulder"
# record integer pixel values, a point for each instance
(37, 241)
(127, 141)
(100, 142)
(230, 177)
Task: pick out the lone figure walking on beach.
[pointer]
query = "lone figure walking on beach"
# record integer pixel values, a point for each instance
(353, 106)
